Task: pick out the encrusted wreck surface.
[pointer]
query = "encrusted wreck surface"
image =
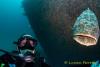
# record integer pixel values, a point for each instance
(52, 21)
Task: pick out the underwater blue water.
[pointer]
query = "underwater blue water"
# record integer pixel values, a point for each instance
(13, 23)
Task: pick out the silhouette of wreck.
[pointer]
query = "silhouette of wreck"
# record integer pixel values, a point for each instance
(52, 22)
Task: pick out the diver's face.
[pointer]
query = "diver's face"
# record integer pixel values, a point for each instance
(27, 50)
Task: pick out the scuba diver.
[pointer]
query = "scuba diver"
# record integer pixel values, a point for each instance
(25, 56)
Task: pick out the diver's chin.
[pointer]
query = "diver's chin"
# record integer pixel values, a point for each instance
(28, 59)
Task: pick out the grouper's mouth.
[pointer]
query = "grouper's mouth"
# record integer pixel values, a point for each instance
(85, 39)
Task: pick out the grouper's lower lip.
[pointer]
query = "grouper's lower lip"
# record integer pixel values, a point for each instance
(28, 59)
(85, 39)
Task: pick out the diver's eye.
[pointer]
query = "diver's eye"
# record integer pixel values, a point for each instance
(31, 43)
(23, 42)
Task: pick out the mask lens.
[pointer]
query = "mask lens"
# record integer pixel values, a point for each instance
(27, 44)
(23, 42)
(32, 43)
